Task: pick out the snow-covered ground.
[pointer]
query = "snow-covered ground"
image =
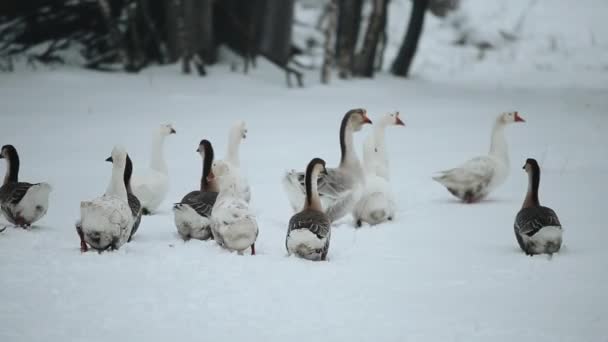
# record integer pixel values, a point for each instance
(443, 271)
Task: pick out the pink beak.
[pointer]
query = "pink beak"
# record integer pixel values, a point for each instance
(518, 118)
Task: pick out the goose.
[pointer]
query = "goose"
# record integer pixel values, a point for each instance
(234, 226)
(134, 203)
(152, 186)
(309, 231)
(374, 147)
(106, 222)
(237, 133)
(537, 228)
(340, 188)
(377, 203)
(192, 214)
(476, 178)
(22, 203)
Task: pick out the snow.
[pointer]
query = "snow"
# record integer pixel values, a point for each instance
(442, 271)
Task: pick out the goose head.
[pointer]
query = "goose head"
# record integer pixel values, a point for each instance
(356, 118)
(316, 166)
(391, 119)
(219, 170)
(118, 158)
(8, 152)
(510, 117)
(531, 166)
(166, 130)
(205, 148)
(239, 129)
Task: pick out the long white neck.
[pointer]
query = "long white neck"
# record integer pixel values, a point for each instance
(116, 187)
(498, 146)
(374, 148)
(228, 185)
(157, 160)
(232, 153)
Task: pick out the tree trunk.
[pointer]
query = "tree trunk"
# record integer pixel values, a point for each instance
(365, 60)
(349, 19)
(115, 37)
(330, 30)
(403, 61)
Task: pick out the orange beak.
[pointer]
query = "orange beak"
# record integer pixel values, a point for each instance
(398, 121)
(366, 119)
(518, 118)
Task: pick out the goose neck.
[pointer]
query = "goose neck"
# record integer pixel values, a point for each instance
(348, 154)
(498, 145)
(127, 175)
(227, 186)
(206, 185)
(117, 188)
(234, 142)
(312, 194)
(12, 169)
(531, 199)
(157, 161)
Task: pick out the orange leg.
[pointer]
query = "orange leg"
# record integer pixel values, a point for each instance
(83, 244)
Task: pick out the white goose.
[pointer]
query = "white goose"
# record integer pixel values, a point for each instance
(192, 215)
(377, 203)
(22, 203)
(233, 225)
(106, 222)
(152, 187)
(237, 133)
(476, 178)
(340, 188)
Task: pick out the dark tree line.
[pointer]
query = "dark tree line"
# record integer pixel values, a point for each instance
(129, 35)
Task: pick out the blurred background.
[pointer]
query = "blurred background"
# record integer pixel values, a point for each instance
(345, 38)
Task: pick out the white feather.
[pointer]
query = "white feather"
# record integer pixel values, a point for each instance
(34, 203)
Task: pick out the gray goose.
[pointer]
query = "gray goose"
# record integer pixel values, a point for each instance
(309, 231)
(192, 214)
(340, 188)
(537, 228)
(22, 203)
(134, 203)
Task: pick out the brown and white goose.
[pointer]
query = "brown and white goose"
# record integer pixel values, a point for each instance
(340, 188)
(537, 228)
(193, 214)
(309, 230)
(22, 203)
(134, 203)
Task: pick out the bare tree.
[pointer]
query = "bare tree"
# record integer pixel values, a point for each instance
(403, 61)
(349, 21)
(330, 29)
(366, 58)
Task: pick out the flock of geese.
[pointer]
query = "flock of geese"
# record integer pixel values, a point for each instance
(319, 195)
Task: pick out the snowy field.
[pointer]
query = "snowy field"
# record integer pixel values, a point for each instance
(442, 271)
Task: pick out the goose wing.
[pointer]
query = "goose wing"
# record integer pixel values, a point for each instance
(333, 184)
(201, 202)
(12, 193)
(317, 222)
(531, 220)
(475, 171)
